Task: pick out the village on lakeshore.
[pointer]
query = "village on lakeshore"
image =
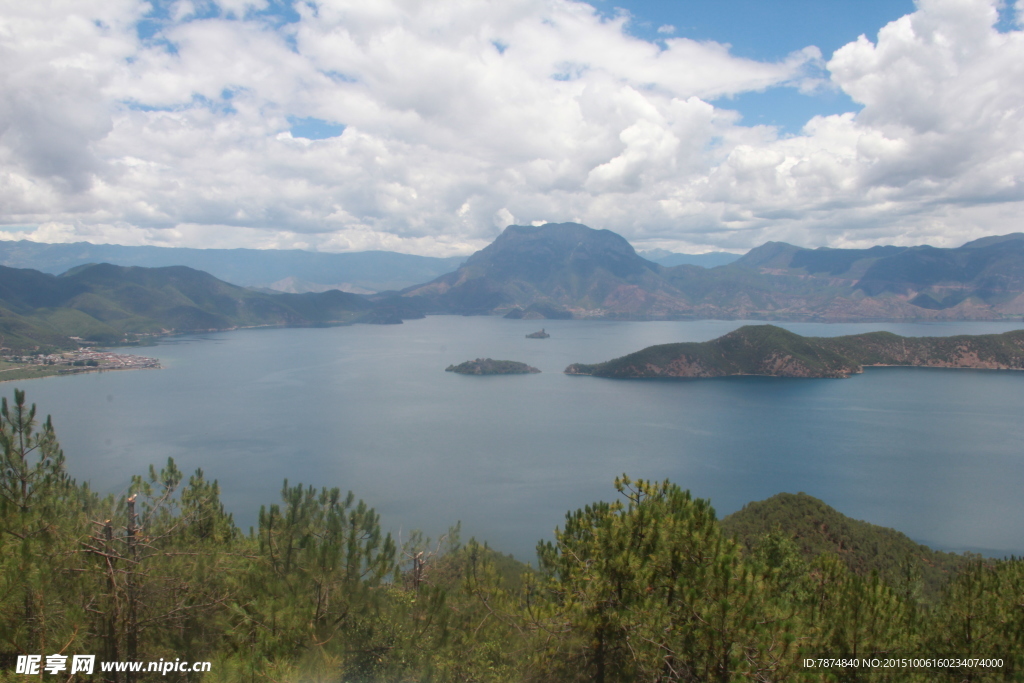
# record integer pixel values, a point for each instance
(24, 365)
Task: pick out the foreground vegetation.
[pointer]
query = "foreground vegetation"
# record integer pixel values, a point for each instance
(817, 529)
(646, 588)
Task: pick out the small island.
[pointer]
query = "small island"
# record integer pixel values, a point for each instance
(489, 366)
(772, 351)
(538, 335)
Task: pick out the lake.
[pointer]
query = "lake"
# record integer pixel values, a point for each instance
(934, 453)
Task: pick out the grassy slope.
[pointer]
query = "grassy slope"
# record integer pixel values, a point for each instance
(20, 332)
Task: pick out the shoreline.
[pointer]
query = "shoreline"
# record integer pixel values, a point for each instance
(83, 361)
(48, 375)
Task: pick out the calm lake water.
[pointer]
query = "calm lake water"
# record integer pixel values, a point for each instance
(936, 454)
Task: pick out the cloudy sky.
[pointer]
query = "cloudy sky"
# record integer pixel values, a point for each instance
(427, 126)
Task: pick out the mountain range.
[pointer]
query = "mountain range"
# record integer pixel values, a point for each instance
(109, 304)
(562, 270)
(569, 270)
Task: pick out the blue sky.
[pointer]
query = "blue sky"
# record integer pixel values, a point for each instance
(764, 30)
(757, 30)
(427, 127)
(769, 31)
(754, 29)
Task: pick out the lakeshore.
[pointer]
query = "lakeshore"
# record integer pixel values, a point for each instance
(17, 367)
(370, 408)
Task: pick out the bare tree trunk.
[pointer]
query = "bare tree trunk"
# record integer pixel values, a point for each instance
(111, 653)
(130, 585)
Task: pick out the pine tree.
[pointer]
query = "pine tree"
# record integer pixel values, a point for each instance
(41, 512)
(651, 590)
(323, 563)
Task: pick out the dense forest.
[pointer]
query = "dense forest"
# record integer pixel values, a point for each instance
(646, 588)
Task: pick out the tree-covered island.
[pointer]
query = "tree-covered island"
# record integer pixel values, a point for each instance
(775, 352)
(489, 366)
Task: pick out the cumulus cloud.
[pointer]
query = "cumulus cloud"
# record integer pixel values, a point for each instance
(462, 117)
(941, 134)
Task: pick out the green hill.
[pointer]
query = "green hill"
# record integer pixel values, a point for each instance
(106, 303)
(817, 528)
(773, 351)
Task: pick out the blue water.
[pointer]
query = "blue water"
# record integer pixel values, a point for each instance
(936, 454)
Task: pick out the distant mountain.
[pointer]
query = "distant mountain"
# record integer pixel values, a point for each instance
(108, 303)
(994, 239)
(372, 271)
(293, 285)
(711, 259)
(773, 351)
(570, 270)
(817, 528)
(984, 274)
(557, 270)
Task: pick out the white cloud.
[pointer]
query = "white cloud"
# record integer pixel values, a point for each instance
(239, 8)
(462, 116)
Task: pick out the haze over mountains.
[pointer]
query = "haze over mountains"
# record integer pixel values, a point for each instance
(711, 259)
(285, 270)
(289, 270)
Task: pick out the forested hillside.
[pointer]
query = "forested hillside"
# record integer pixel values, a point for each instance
(646, 588)
(109, 304)
(777, 352)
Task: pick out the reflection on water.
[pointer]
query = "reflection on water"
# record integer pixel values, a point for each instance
(934, 453)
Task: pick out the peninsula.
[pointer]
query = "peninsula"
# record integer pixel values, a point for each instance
(489, 366)
(775, 352)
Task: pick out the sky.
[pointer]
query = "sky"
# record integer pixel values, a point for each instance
(428, 126)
